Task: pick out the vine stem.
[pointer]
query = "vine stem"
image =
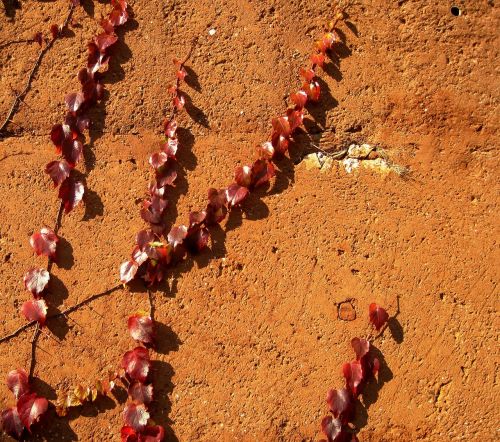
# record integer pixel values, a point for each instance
(19, 97)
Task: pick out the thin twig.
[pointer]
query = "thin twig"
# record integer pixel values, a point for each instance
(9, 43)
(151, 305)
(32, 74)
(34, 340)
(59, 314)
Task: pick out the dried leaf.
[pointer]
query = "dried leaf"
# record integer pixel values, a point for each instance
(44, 242)
(378, 316)
(35, 280)
(18, 383)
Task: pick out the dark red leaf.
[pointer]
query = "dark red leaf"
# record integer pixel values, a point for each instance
(262, 172)
(243, 176)
(71, 193)
(152, 434)
(55, 30)
(235, 194)
(103, 41)
(279, 142)
(139, 256)
(57, 134)
(281, 126)
(197, 239)
(176, 235)
(136, 364)
(341, 403)
(361, 347)
(136, 416)
(128, 269)
(216, 208)
(196, 218)
(18, 383)
(72, 151)
(141, 393)
(353, 374)
(30, 407)
(143, 238)
(331, 428)
(35, 310)
(266, 150)
(141, 328)
(11, 423)
(58, 171)
(74, 101)
(35, 280)
(378, 316)
(44, 242)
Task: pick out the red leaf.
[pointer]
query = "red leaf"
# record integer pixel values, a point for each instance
(197, 239)
(128, 434)
(72, 151)
(35, 280)
(18, 383)
(331, 427)
(141, 328)
(44, 242)
(299, 99)
(128, 269)
(196, 218)
(143, 238)
(103, 41)
(118, 15)
(57, 134)
(361, 347)
(140, 393)
(235, 194)
(318, 59)
(55, 30)
(341, 403)
(170, 127)
(308, 74)
(74, 101)
(152, 434)
(170, 147)
(378, 316)
(353, 374)
(216, 208)
(11, 422)
(176, 235)
(138, 256)
(279, 142)
(262, 172)
(179, 101)
(312, 90)
(243, 176)
(35, 310)
(295, 118)
(158, 159)
(30, 407)
(58, 171)
(281, 126)
(136, 416)
(136, 364)
(266, 150)
(181, 74)
(71, 193)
